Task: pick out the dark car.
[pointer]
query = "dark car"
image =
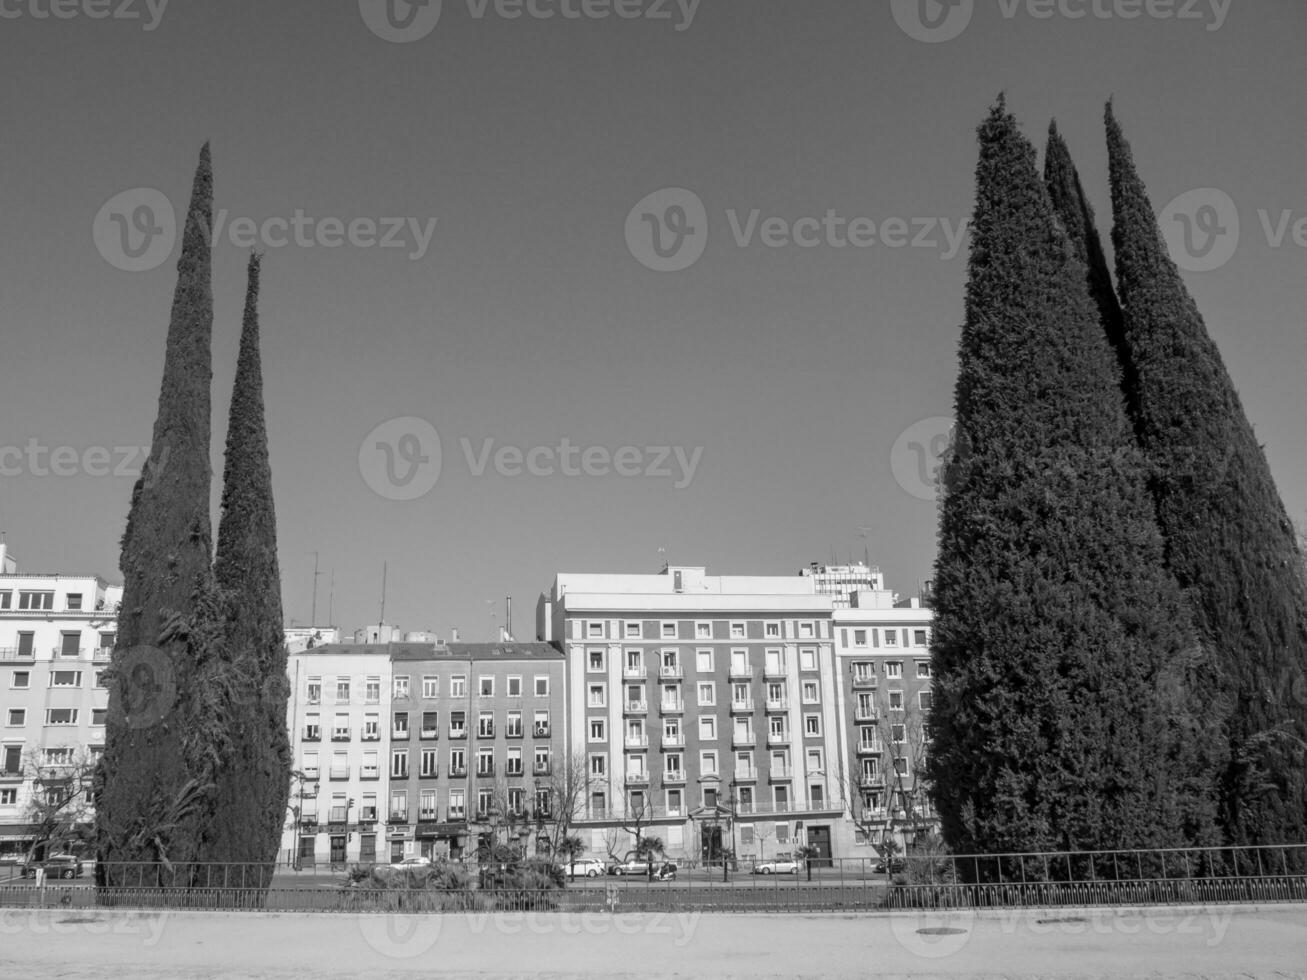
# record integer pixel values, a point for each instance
(56, 866)
(894, 866)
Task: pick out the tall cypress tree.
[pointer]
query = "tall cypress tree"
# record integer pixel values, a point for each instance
(1229, 541)
(145, 794)
(1059, 640)
(251, 790)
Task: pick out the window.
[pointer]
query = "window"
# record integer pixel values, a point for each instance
(598, 764)
(342, 690)
(457, 804)
(25, 642)
(782, 829)
(427, 805)
(775, 662)
(485, 762)
(99, 715)
(596, 729)
(631, 629)
(399, 763)
(61, 716)
(708, 762)
(859, 638)
(513, 725)
(594, 631)
(6, 598)
(595, 659)
(401, 725)
(372, 727)
(805, 631)
(457, 724)
(743, 730)
(372, 690)
(17, 717)
(901, 766)
(399, 806)
(737, 631)
(315, 690)
(430, 766)
(515, 687)
(672, 696)
(458, 686)
(430, 724)
(669, 631)
(540, 724)
(542, 685)
(635, 732)
(703, 631)
(430, 686)
(896, 700)
(485, 687)
(312, 727)
(919, 638)
(457, 762)
(513, 761)
(707, 693)
(740, 663)
(924, 700)
(485, 801)
(864, 672)
(810, 692)
(400, 688)
(99, 679)
(598, 696)
(13, 760)
(772, 630)
(371, 766)
(894, 669)
(923, 668)
(812, 725)
(340, 728)
(703, 661)
(8, 797)
(707, 728)
(896, 734)
(107, 641)
(542, 760)
(891, 638)
(35, 600)
(70, 644)
(66, 678)
(486, 724)
(673, 802)
(807, 659)
(776, 727)
(814, 760)
(74, 600)
(634, 662)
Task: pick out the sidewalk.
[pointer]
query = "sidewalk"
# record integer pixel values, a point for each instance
(1246, 942)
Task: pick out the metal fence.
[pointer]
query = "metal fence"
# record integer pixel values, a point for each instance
(1107, 878)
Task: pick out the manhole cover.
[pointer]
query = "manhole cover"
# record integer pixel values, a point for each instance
(940, 931)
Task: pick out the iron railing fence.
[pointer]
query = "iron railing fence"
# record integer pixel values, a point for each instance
(1105, 878)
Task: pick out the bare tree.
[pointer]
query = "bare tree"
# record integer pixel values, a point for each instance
(60, 806)
(568, 789)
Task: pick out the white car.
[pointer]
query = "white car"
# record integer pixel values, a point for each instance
(780, 866)
(412, 862)
(585, 868)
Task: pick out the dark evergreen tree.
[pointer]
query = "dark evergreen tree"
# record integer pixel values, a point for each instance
(250, 796)
(1229, 542)
(1060, 645)
(145, 793)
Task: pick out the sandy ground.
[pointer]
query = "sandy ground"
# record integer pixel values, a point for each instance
(1270, 941)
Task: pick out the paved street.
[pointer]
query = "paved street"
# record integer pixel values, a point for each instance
(1213, 942)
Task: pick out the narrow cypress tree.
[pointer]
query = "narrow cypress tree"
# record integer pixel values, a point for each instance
(144, 792)
(1059, 641)
(1229, 541)
(251, 790)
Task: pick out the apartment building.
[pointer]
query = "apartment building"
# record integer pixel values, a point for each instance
(476, 733)
(339, 718)
(883, 652)
(705, 706)
(56, 635)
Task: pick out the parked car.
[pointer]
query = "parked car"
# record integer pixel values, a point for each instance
(631, 866)
(417, 861)
(585, 868)
(778, 866)
(894, 866)
(56, 866)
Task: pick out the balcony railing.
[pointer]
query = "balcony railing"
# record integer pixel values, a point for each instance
(340, 735)
(870, 782)
(513, 770)
(742, 673)
(486, 731)
(457, 732)
(637, 779)
(781, 772)
(637, 707)
(671, 707)
(368, 815)
(866, 714)
(673, 740)
(429, 733)
(745, 705)
(370, 772)
(778, 738)
(398, 816)
(778, 704)
(673, 775)
(511, 731)
(633, 671)
(739, 738)
(457, 772)
(636, 741)
(11, 653)
(311, 735)
(864, 682)
(749, 774)
(669, 670)
(485, 768)
(338, 815)
(338, 772)
(774, 671)
(399, 734)
(457, 813)
(871, 748)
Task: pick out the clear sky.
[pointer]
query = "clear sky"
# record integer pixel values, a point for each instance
(535, 312)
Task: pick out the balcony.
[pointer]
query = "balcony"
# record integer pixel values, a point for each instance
(399, 735)
(102, 653)
(513, 731)
(746, 775)
(637, 779)
(866, 781)
(457, 772)
(514, 770)
(742, 706)
(338, 772)
(368, 815)
(741, 739)
(778, 704)
(541, 769)
(486, 768)
(457, 814)
(309, 821)
(370, 737)
(669, 670)
(310, 774)
(774, 672)
(673, 740)
(780, 772)
(866, 714)
(864, 682)
(398, 816)
(311, 735)
(12, 653)
(778, 738)
(637, 707)
(871, 748)
(673, 776)
(635, 672)
(671, 707)
(486, 731)
(457, 731)
(430, 733)
(340, 735)
(426, 816)
(636, 741)
(741, 672)
(338, 815)
(370, 772)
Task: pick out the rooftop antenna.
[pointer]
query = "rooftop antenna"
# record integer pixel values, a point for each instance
(662, 553)
(508, 617)
(382, 624)
(331, 601)
(313, 617)
(863, 532)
